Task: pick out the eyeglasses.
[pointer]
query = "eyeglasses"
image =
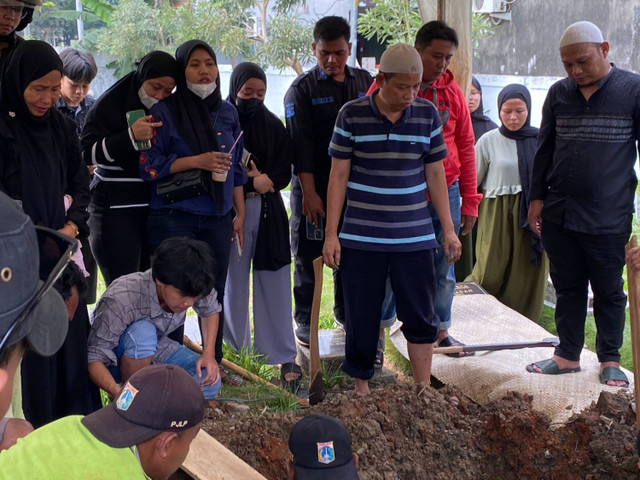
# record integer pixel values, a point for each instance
(55, 252)
(15, 12)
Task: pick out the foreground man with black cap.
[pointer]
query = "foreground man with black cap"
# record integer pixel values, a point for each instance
(320, 447)
(145, 433)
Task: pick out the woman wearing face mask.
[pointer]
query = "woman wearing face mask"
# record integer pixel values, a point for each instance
(40, 164)
(119, 197)
(511, 264)
(199, 129)
(268, 157)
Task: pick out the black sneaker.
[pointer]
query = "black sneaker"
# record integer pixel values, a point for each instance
(303, 333)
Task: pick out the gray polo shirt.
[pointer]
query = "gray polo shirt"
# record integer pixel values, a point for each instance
(134, 297)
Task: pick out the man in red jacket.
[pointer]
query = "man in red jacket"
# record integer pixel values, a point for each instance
(437, 42)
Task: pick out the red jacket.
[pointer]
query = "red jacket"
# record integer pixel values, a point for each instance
(460, 163)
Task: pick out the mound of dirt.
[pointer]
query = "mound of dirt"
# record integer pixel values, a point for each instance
(439, 434)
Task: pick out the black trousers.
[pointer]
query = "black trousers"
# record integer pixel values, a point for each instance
(119, 240)
(412, 276)
(305, 251)
(575, 259)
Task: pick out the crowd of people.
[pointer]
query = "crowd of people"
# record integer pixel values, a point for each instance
(173, 193)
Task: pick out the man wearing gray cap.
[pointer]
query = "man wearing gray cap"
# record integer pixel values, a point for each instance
(32, 315)
(582, 193)
(144, 433)
(386, 149)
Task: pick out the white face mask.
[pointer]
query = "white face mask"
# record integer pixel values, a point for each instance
(146, 99)
(203, 90)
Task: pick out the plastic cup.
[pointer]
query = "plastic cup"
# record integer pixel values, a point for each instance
(220, 177)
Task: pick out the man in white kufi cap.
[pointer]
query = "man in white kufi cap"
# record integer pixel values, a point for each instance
(582, 193)
(384, 147)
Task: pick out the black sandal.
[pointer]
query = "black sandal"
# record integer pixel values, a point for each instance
(449, 341)
(379, 360)
(289, 368)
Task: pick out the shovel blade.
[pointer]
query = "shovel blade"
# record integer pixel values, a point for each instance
(316, 388)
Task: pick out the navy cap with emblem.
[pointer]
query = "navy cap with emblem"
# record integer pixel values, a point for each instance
(321, 449)
(156, 399)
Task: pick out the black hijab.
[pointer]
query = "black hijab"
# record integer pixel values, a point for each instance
(191, 113)
(526, 141)
(257, 137)
(481, 123)
(265, 137)
(107, 117)
(40, 140)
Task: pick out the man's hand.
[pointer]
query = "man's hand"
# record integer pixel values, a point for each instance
(452, 247)
(312, 207)
(633, 258)
(208, 362)
(466, 224)
(535, 216)
(331, 251)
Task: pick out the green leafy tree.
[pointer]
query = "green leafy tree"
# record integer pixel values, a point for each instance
(135, 29)
(393, 21)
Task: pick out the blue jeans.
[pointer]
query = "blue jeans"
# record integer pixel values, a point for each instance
(445, 273)
(140, 340)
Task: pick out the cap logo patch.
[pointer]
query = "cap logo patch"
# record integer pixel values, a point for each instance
(180, 424)
(326, 453)
(126, 397)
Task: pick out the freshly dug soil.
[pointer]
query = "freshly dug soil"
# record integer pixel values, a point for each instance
(439, 434)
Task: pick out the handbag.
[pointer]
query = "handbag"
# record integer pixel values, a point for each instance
(184, 185)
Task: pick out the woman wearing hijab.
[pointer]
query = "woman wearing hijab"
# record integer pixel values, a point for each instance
(268, 156)
(40, 163)
(481, 125)
(119, 197)
(511, 264)
(198, 131)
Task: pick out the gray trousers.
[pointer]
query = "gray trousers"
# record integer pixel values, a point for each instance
(272, 321)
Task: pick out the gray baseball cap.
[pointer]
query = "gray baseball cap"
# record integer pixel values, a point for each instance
(29, 308)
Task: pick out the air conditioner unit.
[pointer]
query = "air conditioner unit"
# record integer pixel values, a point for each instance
(490, 6)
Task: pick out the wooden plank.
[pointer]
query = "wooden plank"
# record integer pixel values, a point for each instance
(634, 309)
(208, 459)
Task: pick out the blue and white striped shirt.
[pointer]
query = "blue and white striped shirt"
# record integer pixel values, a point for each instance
(387, 191)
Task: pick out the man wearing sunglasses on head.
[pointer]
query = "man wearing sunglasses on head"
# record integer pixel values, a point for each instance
(15, 15)
(32, 315)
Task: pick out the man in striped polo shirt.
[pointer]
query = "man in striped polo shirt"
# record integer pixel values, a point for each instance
(386, 149)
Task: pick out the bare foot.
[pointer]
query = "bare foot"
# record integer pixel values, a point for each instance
(613, 383)
(362, 387)
(563, 363)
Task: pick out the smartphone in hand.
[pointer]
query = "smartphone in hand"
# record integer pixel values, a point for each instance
(315, 233)
(132, 117)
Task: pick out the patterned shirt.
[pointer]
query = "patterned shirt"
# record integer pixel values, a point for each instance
(134, 297)
(387, 191)
(77, 114)
(583, 168)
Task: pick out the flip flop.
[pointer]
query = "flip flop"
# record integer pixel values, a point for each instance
(613, 373)
(449, 341)
(291, 385)
(550, 367)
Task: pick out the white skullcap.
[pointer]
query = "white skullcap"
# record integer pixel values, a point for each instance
(401, 58)
(581, 32)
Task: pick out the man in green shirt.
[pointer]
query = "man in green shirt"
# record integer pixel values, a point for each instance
(144, 434)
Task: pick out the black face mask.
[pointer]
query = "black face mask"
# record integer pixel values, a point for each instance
(249, 106)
